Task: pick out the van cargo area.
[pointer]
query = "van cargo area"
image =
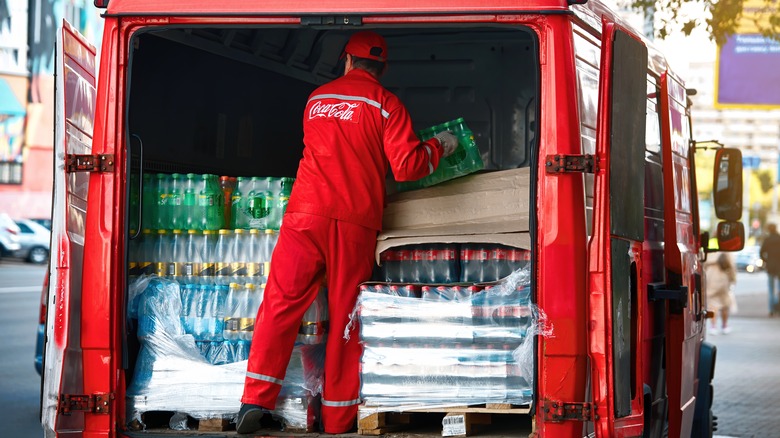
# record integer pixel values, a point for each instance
(214, 136)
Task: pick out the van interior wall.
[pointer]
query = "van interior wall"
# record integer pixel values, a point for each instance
(200, 112)
(201, 101)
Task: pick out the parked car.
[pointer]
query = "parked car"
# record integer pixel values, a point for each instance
(9, 236)
(749, 259)
(34, 240)
(46, 222)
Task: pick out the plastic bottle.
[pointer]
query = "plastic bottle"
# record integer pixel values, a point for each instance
(231, 322)
(207, 199)
(256, 205)
(207, 245)
(162, 253)
(238, 250)
(163, 214)
(237, 205)
(175, 202)
(247, 325)
(267, 248)
(188, 295)
(419, 267)
(227, 186)
(405, 267)
(389, 260)
(217, 211)
(253, 249)
(189, 213)
(178, 256)
(192, 256)
(223, 257)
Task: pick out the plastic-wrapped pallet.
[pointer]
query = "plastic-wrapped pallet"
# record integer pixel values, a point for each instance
(454, 345)
(173, 372)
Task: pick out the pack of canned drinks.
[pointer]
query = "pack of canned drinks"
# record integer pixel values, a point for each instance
(439, 345)
(195, 363)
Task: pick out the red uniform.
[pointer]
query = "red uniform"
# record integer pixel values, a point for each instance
(353, 128)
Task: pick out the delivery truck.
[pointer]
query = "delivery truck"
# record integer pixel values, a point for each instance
(585, 209)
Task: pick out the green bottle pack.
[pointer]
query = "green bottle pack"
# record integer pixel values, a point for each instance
(465, 160)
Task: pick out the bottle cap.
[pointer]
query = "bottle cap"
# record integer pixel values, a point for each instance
(249, 285)
(224, 231)
(147, 231)
(254, 231)
(232, 285)
(239, 231)
(176, 231)
(208, 231)
(192, 231)
(162, 231)
(269, 231)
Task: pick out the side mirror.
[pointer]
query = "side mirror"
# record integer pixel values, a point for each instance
(727, 187)
(730, 237)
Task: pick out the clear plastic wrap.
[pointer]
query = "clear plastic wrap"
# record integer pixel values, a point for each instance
(456, 345)
(202, 379)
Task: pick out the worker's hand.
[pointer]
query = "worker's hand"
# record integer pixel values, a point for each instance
(448, 142)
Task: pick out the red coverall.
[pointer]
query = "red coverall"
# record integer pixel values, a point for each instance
(353, 127)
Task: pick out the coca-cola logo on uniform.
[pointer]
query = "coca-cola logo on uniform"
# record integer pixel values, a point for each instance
(349, 112)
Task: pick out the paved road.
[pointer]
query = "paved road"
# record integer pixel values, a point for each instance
(747, 370)
(20, 297)
(747, 376)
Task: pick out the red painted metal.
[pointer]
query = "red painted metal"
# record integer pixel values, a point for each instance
(351, 7)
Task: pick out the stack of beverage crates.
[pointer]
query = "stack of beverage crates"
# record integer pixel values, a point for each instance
(445, 326)
(213, 280)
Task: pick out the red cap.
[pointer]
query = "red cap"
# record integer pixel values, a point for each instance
(367, 44)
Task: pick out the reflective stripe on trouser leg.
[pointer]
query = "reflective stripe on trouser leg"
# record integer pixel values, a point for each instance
(340, 404)
(285, 301)
(349, 262)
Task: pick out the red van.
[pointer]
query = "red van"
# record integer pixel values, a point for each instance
(585, 118)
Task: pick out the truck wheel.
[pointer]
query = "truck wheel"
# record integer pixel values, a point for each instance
(703, 419)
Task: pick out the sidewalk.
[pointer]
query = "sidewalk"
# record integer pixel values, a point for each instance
(747, 371)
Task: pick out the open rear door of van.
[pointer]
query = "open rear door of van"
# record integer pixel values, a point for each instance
(615, 251)
(76, 395)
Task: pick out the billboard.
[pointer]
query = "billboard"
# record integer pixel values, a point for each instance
(747, 64)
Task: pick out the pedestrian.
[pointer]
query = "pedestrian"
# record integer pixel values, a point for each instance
(353, 129)
(721, 276)
(770, 254)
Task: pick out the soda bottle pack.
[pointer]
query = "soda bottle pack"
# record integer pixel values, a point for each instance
(207, 202)
(465, 160)
(450, 263)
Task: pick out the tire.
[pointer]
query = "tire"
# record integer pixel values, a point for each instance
(38, 255)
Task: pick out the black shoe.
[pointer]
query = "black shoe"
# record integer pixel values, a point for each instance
(249, 417)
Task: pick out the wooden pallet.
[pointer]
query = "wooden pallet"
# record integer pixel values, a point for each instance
(457, 421)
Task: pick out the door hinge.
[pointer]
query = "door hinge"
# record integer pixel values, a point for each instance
(571, 163)
(94, 403)
(676, 295)
(559, 411)
(89, 163)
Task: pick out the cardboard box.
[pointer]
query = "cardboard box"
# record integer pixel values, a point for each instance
(490, 207)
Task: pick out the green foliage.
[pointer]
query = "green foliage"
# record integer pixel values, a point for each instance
(722, 17)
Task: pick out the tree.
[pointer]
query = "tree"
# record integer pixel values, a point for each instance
(722, 17)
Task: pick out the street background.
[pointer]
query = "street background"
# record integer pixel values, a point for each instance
(747, 371)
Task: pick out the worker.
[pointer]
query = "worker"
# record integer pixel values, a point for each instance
(353, 128)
